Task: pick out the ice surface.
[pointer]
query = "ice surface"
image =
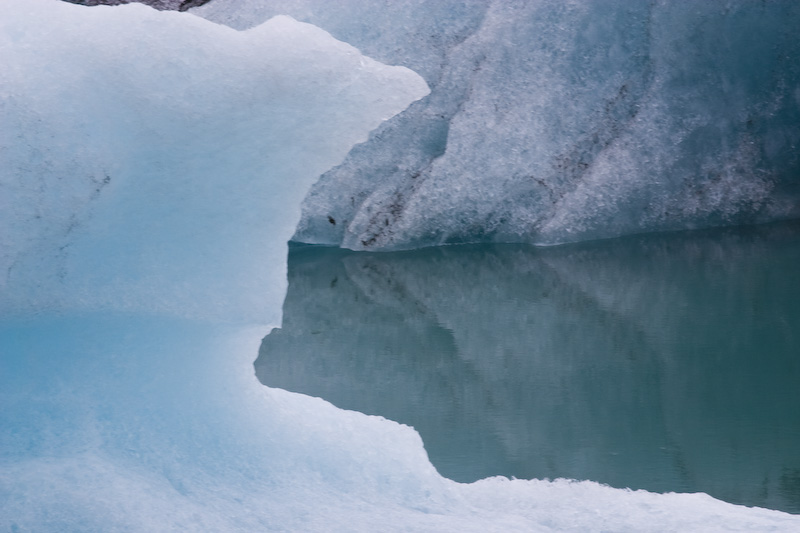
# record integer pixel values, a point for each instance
(153, 164)
(157, 161)
(553, 121)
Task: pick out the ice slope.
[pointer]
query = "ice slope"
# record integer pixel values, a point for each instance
(152, 169)
(552, 121)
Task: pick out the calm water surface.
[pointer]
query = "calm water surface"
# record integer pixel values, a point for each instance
(665, 362)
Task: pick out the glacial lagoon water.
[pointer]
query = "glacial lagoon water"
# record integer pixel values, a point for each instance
(667, 362)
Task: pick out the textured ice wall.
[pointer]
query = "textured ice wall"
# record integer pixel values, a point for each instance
(553, 121)
(156, 161)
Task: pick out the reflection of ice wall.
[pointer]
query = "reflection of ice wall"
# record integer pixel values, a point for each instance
(553, 121)
(162, 166)
(666, 363)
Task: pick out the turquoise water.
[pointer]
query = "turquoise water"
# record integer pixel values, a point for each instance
(665, 362)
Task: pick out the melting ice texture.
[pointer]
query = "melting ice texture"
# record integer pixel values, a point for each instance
(152, 169)
(552, 121)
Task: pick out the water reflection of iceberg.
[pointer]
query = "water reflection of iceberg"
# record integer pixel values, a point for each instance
(663, 362)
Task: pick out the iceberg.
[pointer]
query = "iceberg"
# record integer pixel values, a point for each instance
(551, 122)
(152, 169)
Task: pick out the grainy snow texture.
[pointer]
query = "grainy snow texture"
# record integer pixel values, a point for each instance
(552, 121)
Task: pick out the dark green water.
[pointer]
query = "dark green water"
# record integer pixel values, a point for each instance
(664, 362)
